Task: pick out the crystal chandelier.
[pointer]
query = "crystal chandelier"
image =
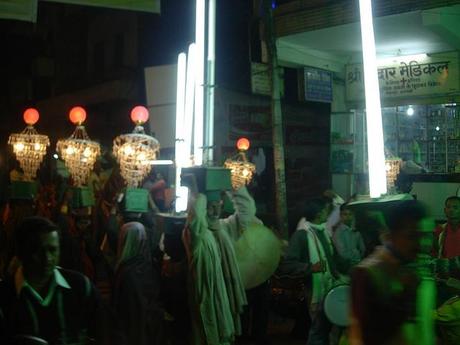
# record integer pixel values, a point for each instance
(392, 167)
(78, 151)
(242, 171)
(136, 151)
(29, 147)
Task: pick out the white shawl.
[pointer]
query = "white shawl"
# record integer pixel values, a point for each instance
(322, 282)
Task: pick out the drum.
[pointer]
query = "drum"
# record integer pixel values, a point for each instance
(258, 253)
(337, 305)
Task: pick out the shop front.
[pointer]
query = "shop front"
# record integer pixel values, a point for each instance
(421, 125)
(418, 59)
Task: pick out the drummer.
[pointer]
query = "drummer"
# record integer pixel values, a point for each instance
(384, 288)
(311, 251)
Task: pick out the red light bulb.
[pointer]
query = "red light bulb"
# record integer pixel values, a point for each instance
(31, 116)
(243, 144)
(77, 115)
(139, 115)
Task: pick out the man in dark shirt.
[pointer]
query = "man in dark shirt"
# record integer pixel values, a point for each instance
(384, 288)
(45, 301)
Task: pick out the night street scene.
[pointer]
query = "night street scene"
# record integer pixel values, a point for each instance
(230, 172)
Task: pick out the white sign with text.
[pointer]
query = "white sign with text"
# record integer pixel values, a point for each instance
(407, 77)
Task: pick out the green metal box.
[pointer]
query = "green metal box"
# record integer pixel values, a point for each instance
(208, 178)
(136, 200)
(22, 190)
(82, 197)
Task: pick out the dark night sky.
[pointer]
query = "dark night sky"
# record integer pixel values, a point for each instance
(175, 30)
(161, 38)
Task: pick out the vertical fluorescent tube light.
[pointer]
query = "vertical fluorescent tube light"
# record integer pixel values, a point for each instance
(375, 149)
(210, 80)
(189, 103)
(180, 152)
(199, 88)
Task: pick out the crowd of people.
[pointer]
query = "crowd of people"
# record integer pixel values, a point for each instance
(106, 275)
(403, 288)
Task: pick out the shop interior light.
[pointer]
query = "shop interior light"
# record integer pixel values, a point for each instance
(395, 58)
(376, 155)
(410, 111)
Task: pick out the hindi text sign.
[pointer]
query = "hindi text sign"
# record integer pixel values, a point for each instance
(407, 77)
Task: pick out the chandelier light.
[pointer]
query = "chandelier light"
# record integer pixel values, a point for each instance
(241, 170)
(136, 151)
(78, 151)
(29, 147)
(392, 167)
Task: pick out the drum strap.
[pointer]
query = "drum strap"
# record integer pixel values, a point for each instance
(321, 236)
(442, 240)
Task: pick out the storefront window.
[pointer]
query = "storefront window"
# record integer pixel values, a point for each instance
(426, 138)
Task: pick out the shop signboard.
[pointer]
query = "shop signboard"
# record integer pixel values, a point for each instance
(251, 121)
(408, 77)
(261, 79)
(318, 85)
(152, 6)
(19, 10)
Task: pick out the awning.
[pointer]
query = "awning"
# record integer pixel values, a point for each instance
(26, 10)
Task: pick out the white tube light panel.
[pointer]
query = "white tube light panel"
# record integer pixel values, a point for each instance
(199, 83)
(375, 144)
(210, 79)
(189, 102)
(181, 193)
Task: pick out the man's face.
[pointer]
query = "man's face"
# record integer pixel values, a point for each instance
(45, 257)
(347, 217)
(214, 210)
(324, 214)
(83, 223)
(409, 240)
(452, 211)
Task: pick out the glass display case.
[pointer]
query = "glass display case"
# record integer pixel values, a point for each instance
(427, 136)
